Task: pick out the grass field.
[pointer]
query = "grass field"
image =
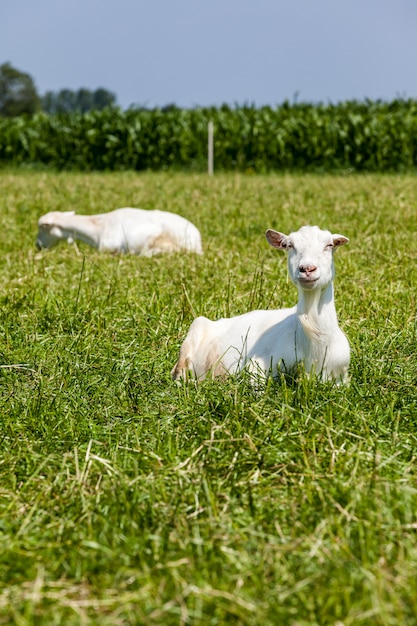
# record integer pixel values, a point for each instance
(125, 499)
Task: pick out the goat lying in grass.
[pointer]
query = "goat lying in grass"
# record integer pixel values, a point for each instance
(124, 230)
(267, 341)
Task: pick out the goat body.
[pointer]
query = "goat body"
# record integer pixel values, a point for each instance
(267, 341)
(124, 230)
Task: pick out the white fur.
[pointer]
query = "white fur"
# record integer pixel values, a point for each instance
(124, 230)
(267, 341)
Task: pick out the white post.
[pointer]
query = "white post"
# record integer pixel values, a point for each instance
(210, 151)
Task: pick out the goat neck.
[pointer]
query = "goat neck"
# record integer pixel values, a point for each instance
(85, 228)
(316, 311)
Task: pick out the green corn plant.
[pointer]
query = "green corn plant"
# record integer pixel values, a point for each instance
(360, 136)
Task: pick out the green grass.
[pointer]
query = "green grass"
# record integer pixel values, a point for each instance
(125, 499)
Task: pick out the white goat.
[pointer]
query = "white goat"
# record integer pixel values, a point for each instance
(124, 230)
(267, 341)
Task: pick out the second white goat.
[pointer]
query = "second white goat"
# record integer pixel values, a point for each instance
(124, 230)
(271, 340)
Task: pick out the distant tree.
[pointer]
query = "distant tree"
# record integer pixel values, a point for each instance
(65, 101)
(169, 108)
(18, 93)
(48, 102)
(83, 100)
(103, 98)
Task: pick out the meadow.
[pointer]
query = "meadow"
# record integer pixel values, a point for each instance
(126, 499)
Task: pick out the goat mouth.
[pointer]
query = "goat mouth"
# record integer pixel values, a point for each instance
(308, 281)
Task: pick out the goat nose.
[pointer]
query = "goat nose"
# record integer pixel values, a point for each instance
(307, 269)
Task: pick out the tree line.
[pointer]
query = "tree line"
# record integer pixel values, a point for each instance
(19, 96)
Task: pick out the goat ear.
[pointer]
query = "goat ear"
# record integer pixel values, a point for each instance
(339, 240)
(276, 239)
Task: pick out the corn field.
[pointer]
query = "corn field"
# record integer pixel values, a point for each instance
(359, 136)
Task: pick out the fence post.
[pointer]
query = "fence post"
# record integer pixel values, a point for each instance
(210, 149)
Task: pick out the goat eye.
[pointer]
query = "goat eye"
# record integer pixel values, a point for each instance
(329, 246)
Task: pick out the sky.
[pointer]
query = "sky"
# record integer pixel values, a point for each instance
(205, 53)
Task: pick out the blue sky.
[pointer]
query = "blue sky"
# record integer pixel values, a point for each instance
(195, 52)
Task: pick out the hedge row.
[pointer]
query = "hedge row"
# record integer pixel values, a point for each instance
(364, 136)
